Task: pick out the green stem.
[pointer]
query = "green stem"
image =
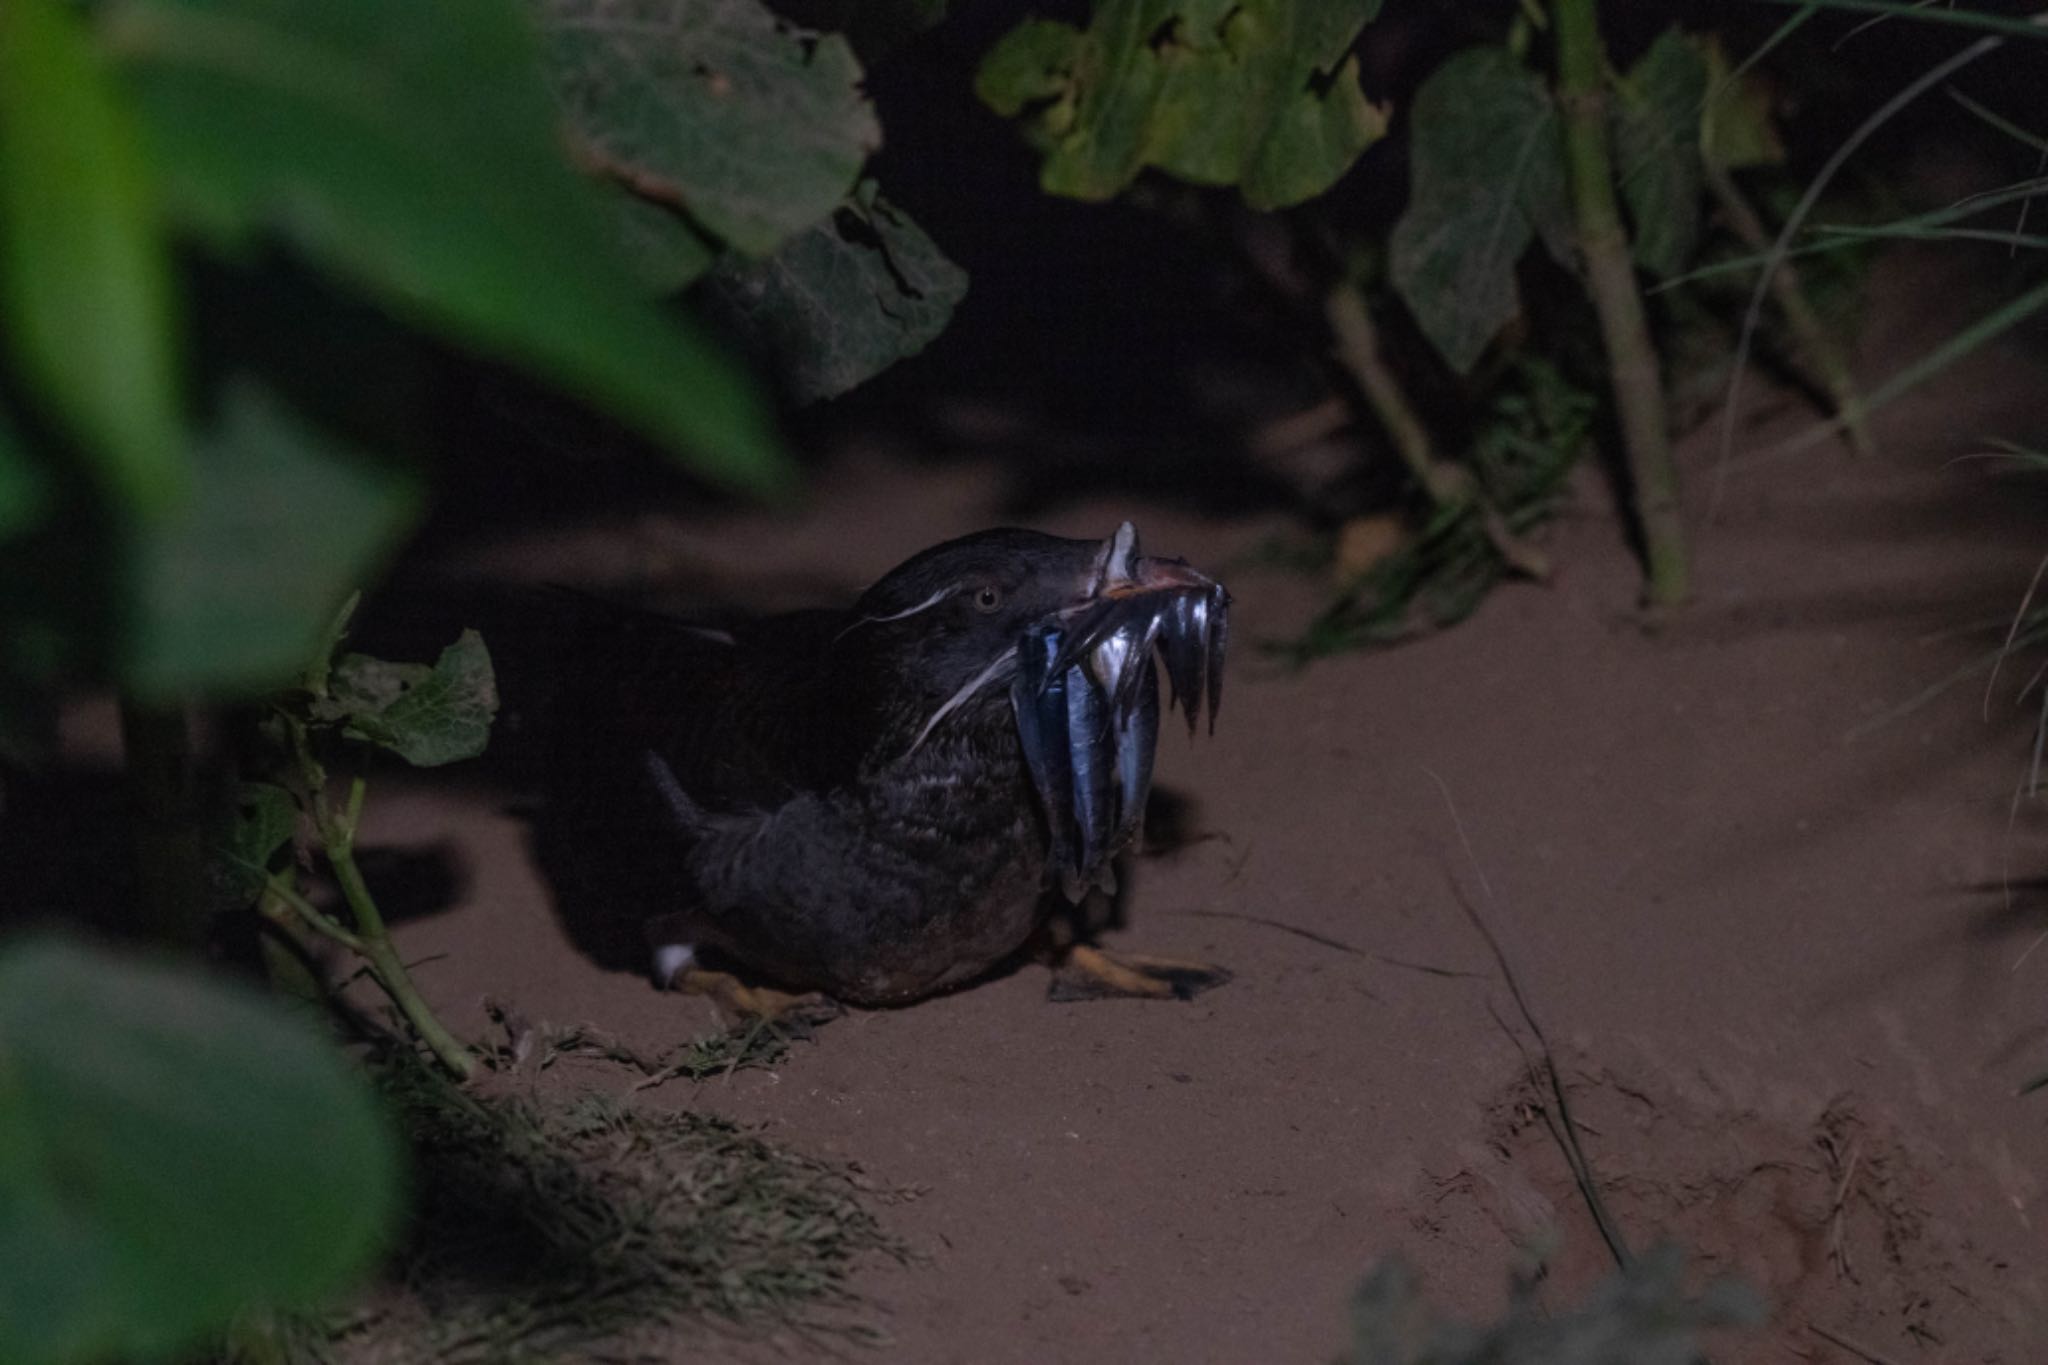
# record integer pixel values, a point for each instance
(1448, 485)
(163, 791)
(1830, 369)
(1632, 360)
(373, 939)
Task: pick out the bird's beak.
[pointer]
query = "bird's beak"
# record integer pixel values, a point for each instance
(1120, 571)
(1133, 606)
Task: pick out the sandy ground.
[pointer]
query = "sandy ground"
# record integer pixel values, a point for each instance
(1775, 945)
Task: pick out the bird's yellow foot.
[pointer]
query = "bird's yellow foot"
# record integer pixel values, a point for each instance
(743, 1001)
(1089, 973)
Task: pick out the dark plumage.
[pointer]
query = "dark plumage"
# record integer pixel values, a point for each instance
(841, 800)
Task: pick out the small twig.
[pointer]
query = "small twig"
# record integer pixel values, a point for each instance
(1326, 941)
(1285, 435)
(1838, 1249)
(1830, 369)
(1853, 1348)
(1565, 1131)
(279, 894)
(1447, 485)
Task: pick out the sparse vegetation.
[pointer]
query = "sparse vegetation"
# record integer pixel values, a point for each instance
(561, 1229)
(263, 263)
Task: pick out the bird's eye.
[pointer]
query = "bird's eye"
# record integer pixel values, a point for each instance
(988, 598)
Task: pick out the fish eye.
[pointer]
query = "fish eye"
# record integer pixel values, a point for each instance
(988, 597)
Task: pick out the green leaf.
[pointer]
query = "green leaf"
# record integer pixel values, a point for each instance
(264, 818)
(24, 488)
(232, 594)
(427, 716)
(84, 277)
(1034, 69)
(1260, 94)
(413, 148)
(713, 107)
(1736, 127)
(665, 251)
(843, 301)
(174, 1151)
(1487, 170)
(1657, 148)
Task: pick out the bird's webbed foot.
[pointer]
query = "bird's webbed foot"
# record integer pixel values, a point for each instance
(676, 969)
(741, 1000)
(1086, 972)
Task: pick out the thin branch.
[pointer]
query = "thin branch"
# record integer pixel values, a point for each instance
(1830, 368)
(1852, 1347)
(278, 892)
(1568, 1139)
(1448, 486)
(1326, 941)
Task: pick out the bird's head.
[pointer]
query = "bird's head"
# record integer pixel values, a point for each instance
(1054, 638)
(946, 625)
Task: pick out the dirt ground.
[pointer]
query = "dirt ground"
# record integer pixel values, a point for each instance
(1778, 943)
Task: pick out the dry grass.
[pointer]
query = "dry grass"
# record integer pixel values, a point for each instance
(593, 1229)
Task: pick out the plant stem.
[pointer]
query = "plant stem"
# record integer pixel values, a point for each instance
(1448, 485)
(1830, 369)
(163, 794)
(1632, 360)
(373, 939)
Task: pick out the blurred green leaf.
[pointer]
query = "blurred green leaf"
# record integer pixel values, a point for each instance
(413, 147)
(24, 489)
(1657, 150)
(232, 593)
(1487, 171)
(1736, 127)
(173, 1152)
(84, 279)
(843, 301)
(716, 108)
(1261, 94)
(427, 716)
(1641, 1315)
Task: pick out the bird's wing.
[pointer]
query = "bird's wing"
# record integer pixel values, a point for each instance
(739, 718)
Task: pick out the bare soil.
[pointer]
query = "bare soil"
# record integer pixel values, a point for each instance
(1778, 942)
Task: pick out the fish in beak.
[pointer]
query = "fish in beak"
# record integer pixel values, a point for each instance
(1086, 696)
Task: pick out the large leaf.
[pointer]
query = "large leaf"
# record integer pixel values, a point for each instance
(714, 107)
(233, 594)
(427, 716)
(843, 301)
(84, 281)
(1261, 94)
(24, 489)
(1657, 148)
(173, 1152)
(1488, 170)
(413, 148)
